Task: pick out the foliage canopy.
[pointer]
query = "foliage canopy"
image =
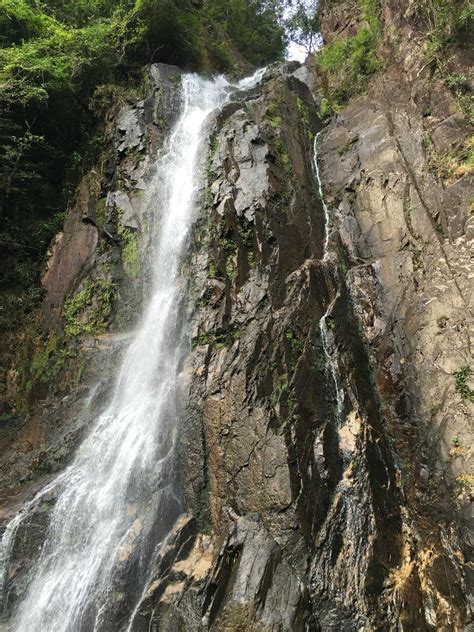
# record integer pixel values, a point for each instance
(302, 23)
(57, 57)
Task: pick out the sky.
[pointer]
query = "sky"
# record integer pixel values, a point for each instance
(295, 52)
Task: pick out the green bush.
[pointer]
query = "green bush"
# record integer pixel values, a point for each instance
(371, 14)
(447, 21)
(89, 311)
(221, 56)
(348, 63)
(20, 21)
(252, 26)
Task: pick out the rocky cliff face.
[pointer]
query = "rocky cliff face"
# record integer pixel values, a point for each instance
(316, 499)
(94, 284)
(342, 522)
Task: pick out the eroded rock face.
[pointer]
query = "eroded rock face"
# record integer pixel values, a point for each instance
(407, 241)
(71, 251)
(298, 501)
(300, 516)
(349, 516)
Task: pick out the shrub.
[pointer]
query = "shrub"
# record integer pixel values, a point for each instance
(348, 63)
(447, 20)
(89, 311)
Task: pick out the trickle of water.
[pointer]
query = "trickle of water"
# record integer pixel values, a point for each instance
(323, 326)
(327, 219)
(330, 363)
(122, 478)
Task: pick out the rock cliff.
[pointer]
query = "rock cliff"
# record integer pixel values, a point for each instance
(326, 415)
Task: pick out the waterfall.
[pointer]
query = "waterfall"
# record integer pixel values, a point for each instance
(120, 487)
(323, 326)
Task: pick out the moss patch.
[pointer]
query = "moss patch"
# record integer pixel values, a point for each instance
(130, 252)
(49, 360)
(89, 311)
(461, 378)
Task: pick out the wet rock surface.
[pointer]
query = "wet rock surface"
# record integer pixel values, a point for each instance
(344, 514)
(94, 286)
(402, 228)
(298, 516)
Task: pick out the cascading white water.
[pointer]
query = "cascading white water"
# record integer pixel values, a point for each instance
(323, 326)
(121, 470)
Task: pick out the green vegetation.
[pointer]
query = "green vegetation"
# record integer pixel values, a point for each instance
(212, 269)
(448, 21)
(280, 389)
(348, 63)
(230, 267)
(219, 340)
(62, 65)
(325, 108)
(130, 253)
(49, 359)
(285, 162)
(89, 311)
(461, 383)
(229, 247)
(253, 26)
(303, 24)
(295, 343)
(274, 118)
(304, 116)
(296, 348)
(246, 230)
(450, 165)
(465, 481)
(201, 340)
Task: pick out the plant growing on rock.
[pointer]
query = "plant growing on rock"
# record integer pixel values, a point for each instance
(49, 359)
(130, 253)
(89, 311)
(461, 383)
(349, 62)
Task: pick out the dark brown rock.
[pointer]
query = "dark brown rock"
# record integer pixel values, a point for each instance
(299, 516)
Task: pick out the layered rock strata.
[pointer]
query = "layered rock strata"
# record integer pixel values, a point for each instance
(300, 516)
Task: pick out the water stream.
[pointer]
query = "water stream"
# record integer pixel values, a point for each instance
(326, 335)
(118, 497)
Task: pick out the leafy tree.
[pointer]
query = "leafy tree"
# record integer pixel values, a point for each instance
(57, 56)
(302, 23)
(17, 170)
(254, 27)
(20, 21)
